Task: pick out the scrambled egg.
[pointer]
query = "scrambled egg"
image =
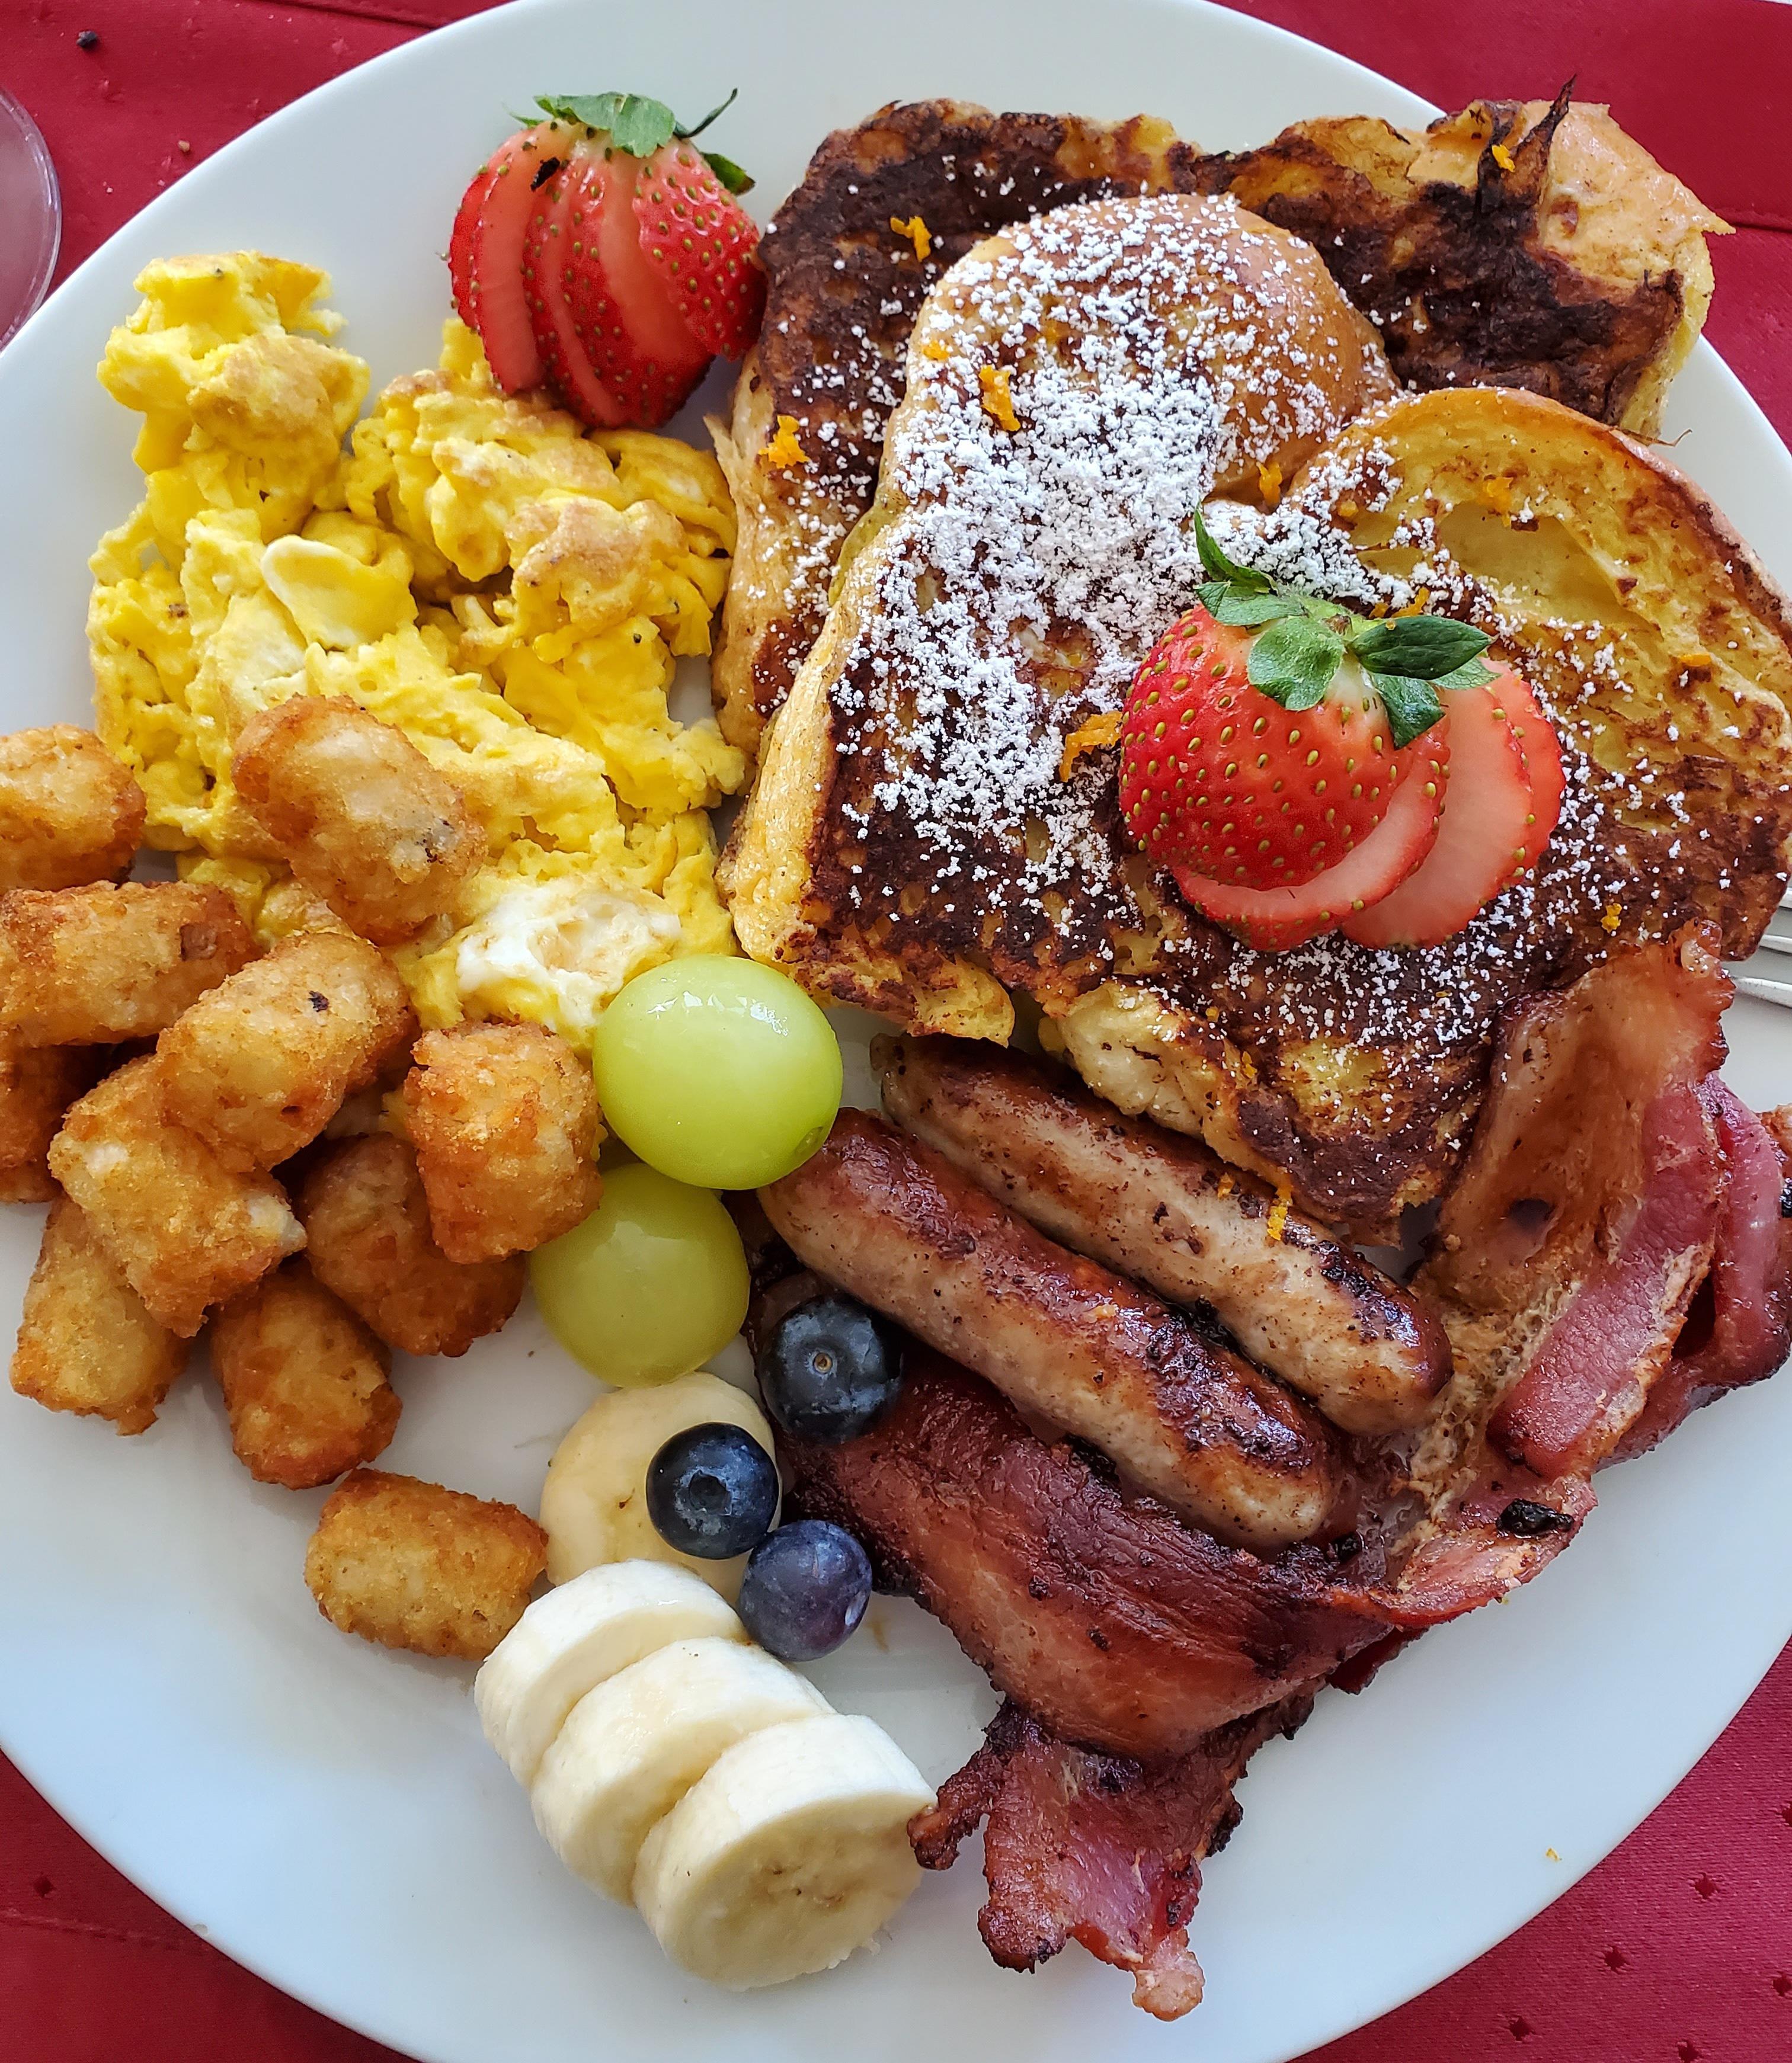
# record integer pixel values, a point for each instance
(511, 593)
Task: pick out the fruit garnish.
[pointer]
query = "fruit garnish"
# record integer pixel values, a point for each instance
(717, 1070)
(805, 1589)
(1290, 761)
(651, 1286)
(485, 254)
(602, 252)
(1504, 797)
(712, 1491)
(830, 1370)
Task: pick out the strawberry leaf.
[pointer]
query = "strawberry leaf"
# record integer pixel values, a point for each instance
(635, 124)
(1418, 648)
(728, 172)
(1471, 673)
(1220, 568)
(1295, 661)
(698, 128)
(1225, 603)
(1412, 705)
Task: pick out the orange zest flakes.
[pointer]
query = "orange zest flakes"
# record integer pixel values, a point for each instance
(916, 231)
(1269, 483)
(784, 449)
(1225, 1186)
(1277, 1223)
(1497, 494)
(1613, 916)
(936, 348)
(998, 403)
(1090, 735)
(1503, 158)
(1695, 659)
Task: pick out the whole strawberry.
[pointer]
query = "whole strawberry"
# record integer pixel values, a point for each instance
(602, 252)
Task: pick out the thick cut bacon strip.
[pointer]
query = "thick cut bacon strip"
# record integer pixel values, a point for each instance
(1740, 1325)
(1110, 1620)
(1586, 1216)
(1095, 1848)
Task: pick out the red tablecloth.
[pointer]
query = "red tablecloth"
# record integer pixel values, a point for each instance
(1679, 1947)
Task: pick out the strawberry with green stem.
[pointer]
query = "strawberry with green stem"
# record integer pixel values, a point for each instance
(603, 251)
(1292, 763)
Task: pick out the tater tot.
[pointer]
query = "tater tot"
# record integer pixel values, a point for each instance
(409, 1564)
(95, 966)
(85, 1343)
(36, 1085)
(305, 1382)
(70, 813)
(258, 1066)
(357, 811)
(188, 1231)
(504, 1118)
(366, 1229)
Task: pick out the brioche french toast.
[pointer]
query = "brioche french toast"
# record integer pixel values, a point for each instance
(926, 838)
(883, 211)
(1577, 270)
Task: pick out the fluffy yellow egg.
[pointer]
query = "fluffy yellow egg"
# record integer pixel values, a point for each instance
(509, 590)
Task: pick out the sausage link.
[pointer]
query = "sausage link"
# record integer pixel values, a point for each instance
(1062, 1336)
(1161, 1209)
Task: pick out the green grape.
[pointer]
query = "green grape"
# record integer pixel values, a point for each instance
(651, 1286)
(718, 1071)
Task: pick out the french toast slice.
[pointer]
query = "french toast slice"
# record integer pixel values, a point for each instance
(1578, 270)
(1517, 243)
(884, 211)
(921, 840)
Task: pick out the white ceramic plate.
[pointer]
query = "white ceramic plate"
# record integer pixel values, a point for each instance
(326, 1812)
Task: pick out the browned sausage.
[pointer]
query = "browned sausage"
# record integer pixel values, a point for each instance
(1163, 1209)
(1062, 1336)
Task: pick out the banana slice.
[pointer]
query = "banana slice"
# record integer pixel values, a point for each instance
(594, 1501)
(579, 1636)
(789, 1854)
(632, 1748)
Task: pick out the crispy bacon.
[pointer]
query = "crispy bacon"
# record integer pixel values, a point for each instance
(1114, 1624)
(1094, 1847)
(1586, 1216)
(1740, 1325)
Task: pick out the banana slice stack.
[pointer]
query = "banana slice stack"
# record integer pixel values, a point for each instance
(762, 1835)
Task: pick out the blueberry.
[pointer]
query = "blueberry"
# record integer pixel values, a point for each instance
(712, 1491)
(830, 1370)
(805, 1589)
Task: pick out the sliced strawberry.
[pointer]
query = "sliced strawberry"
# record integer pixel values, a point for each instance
(700, 240)
(1504, 797)
(1272, 919)
(635, 337)
(485, 254)
(549, 240)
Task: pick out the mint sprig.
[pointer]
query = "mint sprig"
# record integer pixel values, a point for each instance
(640, 126)
(1407, 659)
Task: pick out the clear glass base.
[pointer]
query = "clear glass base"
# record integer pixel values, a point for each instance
(31, 209)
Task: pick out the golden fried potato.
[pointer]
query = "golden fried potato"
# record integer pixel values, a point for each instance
(504, 1118)
(366, 1229)
(357, 811)
(258, 1066)
(70, 813)
(85, 1343)
(91, 966)
(188, 1231)
(36, 1085)
(304, 1379)
(409, 1564)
